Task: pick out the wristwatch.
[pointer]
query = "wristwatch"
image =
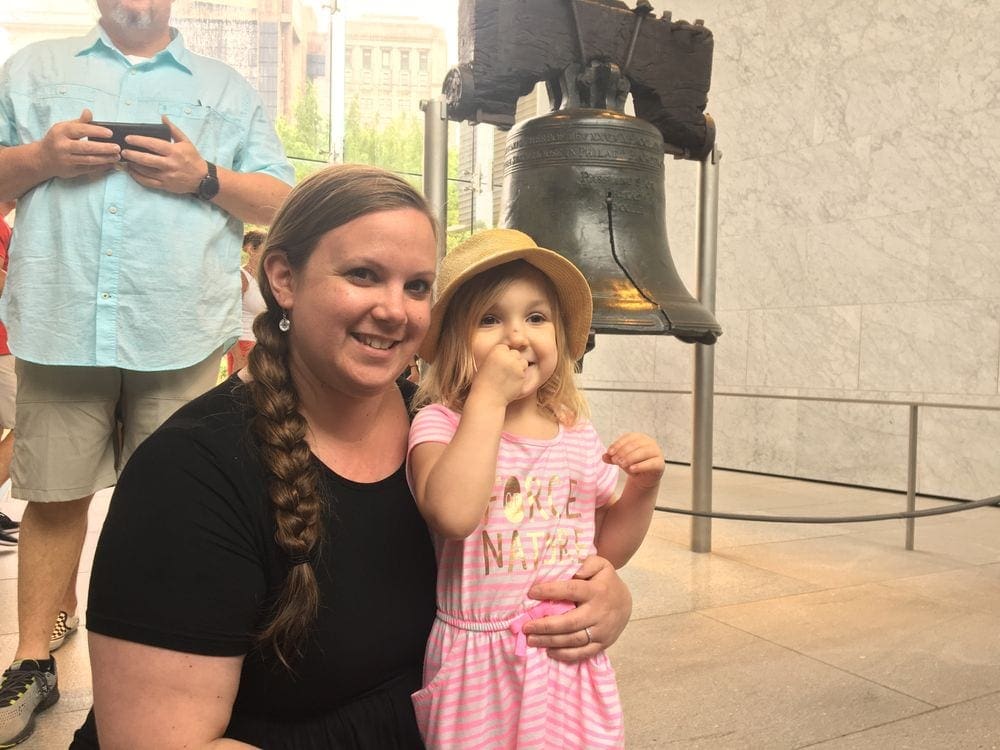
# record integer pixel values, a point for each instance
(208, 188)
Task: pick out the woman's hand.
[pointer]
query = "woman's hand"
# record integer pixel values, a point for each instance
(604, 605)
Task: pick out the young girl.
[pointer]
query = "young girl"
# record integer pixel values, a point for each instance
(515, 485)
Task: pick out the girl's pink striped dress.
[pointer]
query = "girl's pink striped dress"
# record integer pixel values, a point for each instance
(483, 687)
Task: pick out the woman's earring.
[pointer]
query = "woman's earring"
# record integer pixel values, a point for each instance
(284, 324)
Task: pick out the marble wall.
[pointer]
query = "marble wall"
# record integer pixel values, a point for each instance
(858, 248)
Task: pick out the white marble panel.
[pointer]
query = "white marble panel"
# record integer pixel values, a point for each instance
(945, 163)
(964, 248)
(639, 412)
(863, 137)
(762, 270)
(664, 416)
(823, 31)
(868, 261)
(709, 11)
(754, 434)
(958, 455)
(741, 50)
(946, 347)
(731, 349)
(837, 179)
(829, 182)
(764, 118)
(620, 359)
(881, 90)
(602, 411)
(674, 364)
(804, 347)
(970, 61)
(853, 443)
(673, 419)
(754, 196)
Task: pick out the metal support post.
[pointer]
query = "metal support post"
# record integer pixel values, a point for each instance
(336, 90)
(703, 390)
(911, 476)
(436, 163)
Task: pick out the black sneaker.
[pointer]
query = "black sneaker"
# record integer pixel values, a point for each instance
(25, 689)
(8, 525)
(6, 540)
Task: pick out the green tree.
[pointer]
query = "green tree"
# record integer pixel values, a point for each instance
(306, 134)
(398, 146)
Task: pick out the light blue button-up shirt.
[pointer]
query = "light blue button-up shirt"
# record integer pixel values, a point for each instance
(103, 271)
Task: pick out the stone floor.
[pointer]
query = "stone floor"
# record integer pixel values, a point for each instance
(784, 636)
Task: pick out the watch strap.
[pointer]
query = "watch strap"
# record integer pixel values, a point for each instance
(208, 188)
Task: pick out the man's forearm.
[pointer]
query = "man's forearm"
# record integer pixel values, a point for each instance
(21, 168)
(252, 198)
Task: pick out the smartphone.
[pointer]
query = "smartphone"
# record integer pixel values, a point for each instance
(121, 129)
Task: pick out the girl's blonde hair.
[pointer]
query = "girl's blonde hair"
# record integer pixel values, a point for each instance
(448, 380)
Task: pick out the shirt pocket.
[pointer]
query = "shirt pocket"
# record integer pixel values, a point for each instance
(51, 103)
(216, 136)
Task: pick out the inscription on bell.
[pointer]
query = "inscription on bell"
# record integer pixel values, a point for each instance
(577, 154)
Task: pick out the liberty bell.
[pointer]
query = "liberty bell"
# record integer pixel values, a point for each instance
(588, 183)
(587, 180)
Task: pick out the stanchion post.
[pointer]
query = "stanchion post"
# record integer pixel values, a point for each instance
(703, 389)
(436, 164)
(911, 476)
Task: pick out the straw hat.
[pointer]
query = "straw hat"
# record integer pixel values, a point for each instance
(493, 247)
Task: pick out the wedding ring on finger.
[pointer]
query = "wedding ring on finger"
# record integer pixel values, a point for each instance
(590, 638)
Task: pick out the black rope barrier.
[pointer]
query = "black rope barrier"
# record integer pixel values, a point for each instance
(939, 511)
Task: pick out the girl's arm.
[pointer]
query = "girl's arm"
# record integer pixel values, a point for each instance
(453, 482)
(622, 525)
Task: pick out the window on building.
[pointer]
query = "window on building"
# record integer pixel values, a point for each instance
(366, 58)
(385, 58)
(404, 59)
(423, 61)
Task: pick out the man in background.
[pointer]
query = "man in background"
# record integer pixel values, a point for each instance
(8, 389)
(123, 290)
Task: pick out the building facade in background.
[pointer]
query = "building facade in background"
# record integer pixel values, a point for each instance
(273, 43)
(390, 65)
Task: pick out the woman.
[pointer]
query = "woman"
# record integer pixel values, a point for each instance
(253, 302)
(279, 594)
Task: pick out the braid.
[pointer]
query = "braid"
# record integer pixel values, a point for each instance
(293, 485)
(326, 200)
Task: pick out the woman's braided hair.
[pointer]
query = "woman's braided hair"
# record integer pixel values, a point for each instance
(323, 201)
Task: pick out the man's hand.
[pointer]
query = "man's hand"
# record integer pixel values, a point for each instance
(64, 154)
(172, 167)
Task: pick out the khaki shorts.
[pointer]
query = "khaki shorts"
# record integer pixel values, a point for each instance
(77, 426)
(8, 389)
